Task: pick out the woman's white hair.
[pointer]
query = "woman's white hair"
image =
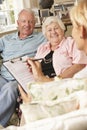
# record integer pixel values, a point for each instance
(52, 19)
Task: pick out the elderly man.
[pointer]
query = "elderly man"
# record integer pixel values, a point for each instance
(25, 41)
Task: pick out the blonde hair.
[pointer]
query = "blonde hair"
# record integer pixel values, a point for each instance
(52, 19)
(78, 14)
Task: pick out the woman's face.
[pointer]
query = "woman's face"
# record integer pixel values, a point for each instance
(54, 33)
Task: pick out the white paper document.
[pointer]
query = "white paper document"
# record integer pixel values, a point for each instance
(19, 70)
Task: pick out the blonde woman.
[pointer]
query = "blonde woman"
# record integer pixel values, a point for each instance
(78, 16)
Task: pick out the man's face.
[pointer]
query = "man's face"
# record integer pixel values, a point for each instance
(26, 23)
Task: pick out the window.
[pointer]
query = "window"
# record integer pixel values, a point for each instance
(9, 12)
(6, 13)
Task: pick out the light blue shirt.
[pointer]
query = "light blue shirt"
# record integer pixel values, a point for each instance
(12, 46)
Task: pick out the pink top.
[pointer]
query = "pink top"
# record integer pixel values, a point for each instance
(64, 55)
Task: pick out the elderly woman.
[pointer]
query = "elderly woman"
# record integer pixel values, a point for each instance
(60, 55)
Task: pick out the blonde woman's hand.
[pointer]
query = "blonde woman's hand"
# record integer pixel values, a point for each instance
(25, 97)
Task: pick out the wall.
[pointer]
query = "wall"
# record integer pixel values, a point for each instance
(69, 30)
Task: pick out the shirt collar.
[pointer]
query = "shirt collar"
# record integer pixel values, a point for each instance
(48, 43)
(17, 37)
(61, 42)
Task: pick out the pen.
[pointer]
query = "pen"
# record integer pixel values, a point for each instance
(38, 59)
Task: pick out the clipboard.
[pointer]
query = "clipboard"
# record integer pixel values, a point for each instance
(19, 70)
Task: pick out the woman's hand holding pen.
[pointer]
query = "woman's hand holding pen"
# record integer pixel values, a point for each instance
(35, 68)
